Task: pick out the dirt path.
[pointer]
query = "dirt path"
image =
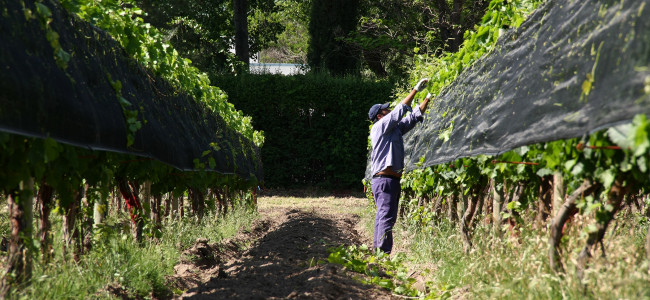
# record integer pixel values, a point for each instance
(283, 256)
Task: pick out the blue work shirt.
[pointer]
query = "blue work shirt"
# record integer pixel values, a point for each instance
(386, 137)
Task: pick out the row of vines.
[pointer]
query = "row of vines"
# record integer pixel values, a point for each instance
(541, 185)
(43, 177)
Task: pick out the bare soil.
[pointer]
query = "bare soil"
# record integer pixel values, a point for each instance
(282, 256)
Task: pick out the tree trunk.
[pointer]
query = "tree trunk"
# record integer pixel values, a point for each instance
(373, 60)
(135, 209)
(567, 210)
(146, 198)
(70, 230)
(437, 207)
(614, 199)
(517, 193)
(181, 206)
(197, 201)
(240, 8)
(472, 200)
(155, 210)
(449, 18)
(117, 201)
(45, 193)
(87, 223)
(478, 209)
(558, 192)
(221, 202)
(19, 259)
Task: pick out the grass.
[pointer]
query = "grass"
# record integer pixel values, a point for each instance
(319, 203)
(516, 266)
(117, 261)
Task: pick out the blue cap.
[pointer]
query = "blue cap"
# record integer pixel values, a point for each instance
(375, 109)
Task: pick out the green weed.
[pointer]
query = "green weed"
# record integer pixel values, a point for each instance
(516, 265)
(117, 262)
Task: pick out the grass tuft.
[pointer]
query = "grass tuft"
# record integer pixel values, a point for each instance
(117, 264)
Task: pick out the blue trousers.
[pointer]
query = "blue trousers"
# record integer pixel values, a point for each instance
(386, 192)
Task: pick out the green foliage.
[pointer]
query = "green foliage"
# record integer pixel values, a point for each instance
(203, 31)
(390, 32)
(117, 261)
(293, 42)
(516, 266)
(315, 124)
(123, 21)
(501, 15)
(382, 269)
(459, 177)
(44, 15)
(329, 23)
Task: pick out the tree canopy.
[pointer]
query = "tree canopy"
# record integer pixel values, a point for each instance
(204, 32)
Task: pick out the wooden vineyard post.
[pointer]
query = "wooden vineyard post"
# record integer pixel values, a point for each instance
(497, 202)
(166, 205)
(174, 213)
(545, 202)
(558, 192)
(19, 260)
(100, 207)
(452, 215)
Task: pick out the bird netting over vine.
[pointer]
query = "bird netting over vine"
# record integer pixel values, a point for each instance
(76, 99)
(572, 68)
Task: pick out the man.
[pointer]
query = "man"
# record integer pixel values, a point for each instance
(387, 160)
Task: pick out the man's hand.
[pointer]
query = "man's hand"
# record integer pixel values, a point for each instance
(423, 105)
(421, 85)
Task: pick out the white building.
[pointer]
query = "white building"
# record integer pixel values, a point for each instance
(276, 68)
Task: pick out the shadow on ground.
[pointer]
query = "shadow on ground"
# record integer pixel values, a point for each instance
(288, 260)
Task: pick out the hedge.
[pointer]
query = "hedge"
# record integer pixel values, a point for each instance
(315, 126)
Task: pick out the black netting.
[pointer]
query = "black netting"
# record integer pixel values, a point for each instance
(572, 68)
(79, 106)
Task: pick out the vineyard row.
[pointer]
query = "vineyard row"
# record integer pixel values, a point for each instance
(78, 183)
(542, 186)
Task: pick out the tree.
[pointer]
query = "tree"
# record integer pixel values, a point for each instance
(19, 259)
(391, 31)
(240, 8)
(204, 31)
(293, 42)
(454, 18)
(331, 21)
